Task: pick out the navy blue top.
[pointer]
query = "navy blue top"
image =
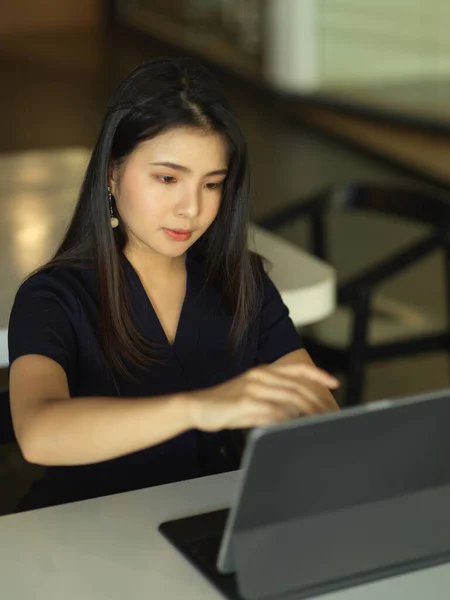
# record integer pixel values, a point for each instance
(56, 314)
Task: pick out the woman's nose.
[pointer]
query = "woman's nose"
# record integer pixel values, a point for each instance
(189, 204)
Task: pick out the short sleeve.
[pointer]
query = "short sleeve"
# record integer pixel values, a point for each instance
(39, 324)
(277, 333)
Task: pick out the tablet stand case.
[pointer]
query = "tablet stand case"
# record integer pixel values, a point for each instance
(322, 553)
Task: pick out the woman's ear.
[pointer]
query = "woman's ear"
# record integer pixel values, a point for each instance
(113, 176)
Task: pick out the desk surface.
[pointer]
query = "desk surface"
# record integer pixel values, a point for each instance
(38, 190)
(109, 548)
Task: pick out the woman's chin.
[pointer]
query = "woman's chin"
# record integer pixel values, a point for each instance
(171, 250)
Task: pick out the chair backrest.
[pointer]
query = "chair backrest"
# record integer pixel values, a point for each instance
(409, 204)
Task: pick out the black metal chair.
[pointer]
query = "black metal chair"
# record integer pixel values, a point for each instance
(6, 427)
(357, 295)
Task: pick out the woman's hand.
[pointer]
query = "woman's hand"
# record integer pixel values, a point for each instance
(262, 396)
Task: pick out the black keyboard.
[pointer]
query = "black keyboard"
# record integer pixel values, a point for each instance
(204, 550)
(199, 538)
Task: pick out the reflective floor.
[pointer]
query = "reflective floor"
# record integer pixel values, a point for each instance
(54, 92)
(37, 193)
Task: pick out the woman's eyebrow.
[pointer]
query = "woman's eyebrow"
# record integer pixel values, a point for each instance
(172, 165)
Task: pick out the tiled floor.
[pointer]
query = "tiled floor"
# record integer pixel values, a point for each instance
(57, 89)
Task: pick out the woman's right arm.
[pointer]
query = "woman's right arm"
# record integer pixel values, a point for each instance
(54, 429)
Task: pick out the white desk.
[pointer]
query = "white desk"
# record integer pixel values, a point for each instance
(38, 191)
(109, 548)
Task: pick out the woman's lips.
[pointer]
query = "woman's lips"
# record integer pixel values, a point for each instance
(179, 235)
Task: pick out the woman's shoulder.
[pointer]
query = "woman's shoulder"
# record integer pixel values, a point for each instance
(55, 282)
(262, 269)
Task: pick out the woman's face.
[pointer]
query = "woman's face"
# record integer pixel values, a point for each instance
(169, 190)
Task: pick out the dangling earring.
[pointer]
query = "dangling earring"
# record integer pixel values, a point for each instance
(114, 220)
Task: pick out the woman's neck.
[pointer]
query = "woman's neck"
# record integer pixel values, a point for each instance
(156, 269)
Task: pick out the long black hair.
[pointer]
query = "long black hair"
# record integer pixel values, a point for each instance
(159, 95)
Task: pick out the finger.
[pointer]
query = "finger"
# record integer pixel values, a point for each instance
(300, 386)
(266, 413)
(306, 370)
(273, 386)
(318, 398)
(276, 393)
(274, 379)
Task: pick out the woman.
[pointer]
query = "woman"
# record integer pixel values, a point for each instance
(153, 332)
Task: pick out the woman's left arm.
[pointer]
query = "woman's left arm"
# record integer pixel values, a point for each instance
(320, 392)
(280, 344)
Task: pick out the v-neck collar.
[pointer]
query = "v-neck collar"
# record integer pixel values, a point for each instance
(186, 336)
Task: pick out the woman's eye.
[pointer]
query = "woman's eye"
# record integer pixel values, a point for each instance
(214, 186)
(167, 179)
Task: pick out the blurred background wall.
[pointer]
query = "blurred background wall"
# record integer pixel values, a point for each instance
(382, 41)
(45, 16)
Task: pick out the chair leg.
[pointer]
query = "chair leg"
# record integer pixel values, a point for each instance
(357, 350)
(318, 241)
(447, 275)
